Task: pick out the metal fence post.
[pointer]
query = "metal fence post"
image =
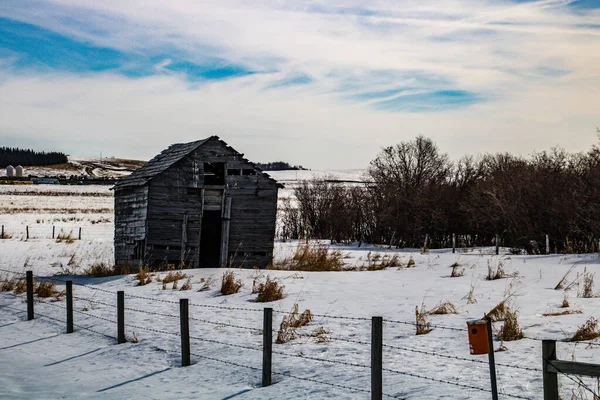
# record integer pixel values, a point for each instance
(267, 347)
(121, 317)
(29, 282)
(69, 306)
(376, 358)
(492, 360)
(79, 233)
(27, 231)
(550, 378)
(53, 229)
(185, 331)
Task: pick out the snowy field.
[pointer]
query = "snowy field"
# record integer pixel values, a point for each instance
(42, 362)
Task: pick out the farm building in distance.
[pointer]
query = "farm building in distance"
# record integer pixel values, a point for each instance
(201, 203)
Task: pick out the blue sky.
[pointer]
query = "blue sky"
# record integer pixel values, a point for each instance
(289, 80)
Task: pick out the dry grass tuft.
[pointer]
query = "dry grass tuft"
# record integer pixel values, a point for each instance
(471, 295)
(316, 258)
(377, 262)
(443, 308)
(174, 276)
(164, 286)
(587, 331)
(498, 313)
(229, 285)
(206, 284)
(411, 263)
(20, 286)
(187, 285)
(561, 284)
(511, 329)
(143, 277)
(457, 270)
(291, 322)
(564, 312)
(269, 291)
(175, 287)
(7, 285)
(102, 269)
(46, 289)
(498, 273)
(320, 335)
(6, 236)
(588, 285)
(565, 302)
(65, 237)
(423, 326)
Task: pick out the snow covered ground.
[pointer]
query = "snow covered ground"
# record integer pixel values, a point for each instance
(41, 361)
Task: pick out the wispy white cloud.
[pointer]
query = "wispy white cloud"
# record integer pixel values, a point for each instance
(514, 76)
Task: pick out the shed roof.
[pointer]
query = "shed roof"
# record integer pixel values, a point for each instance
(166, 159)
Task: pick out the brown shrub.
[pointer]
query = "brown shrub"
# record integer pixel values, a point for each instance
(45, 289)
(587, 331)
(443, 308)
(174, 276)
(422, 325)
(7, 285)
(498, 273)
(511, 329)
(320, 335)
(497, 313)
(187, 285)
(102, 269)
(229, 285)
(291, 322)
(269, 291)
(588, 285)
(314, 258)
(143, 277)
(206, 284)
(377, 262)
(20, 286)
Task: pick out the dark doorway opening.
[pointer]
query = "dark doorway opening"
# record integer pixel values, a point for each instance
(210, 239)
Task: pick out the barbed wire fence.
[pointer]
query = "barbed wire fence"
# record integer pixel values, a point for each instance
(100, 328)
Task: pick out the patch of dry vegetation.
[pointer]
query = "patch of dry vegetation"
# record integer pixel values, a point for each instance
(498, 313)
(588, 285)
(269, 291)
(187, 285)
(291, 322)
(411, 263)
(443, 308)
(143, 276)
(173, 276)
(101, 270)
(498, 272)
(564, 312)
(378, 262)
(587, 331)
(563, 282)
(229, 285)
(45, 289)
(65, 237)
(314, 258)
(565, 302)
(423, 326)
(510, 330)
(206, 284)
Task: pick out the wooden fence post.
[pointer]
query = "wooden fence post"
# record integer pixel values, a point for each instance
(69, 306)
(376, 358)
(267, 347)
(492, 360)
(497, 245)
(2, 236)
(29, 282)
(121, 317)
(27, 231)
(53, 229)
(550, 378)
(185, 331)
(79, 233)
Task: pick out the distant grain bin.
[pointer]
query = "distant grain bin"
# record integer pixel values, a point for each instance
(19, 171)
(10, 171)
(201, 204)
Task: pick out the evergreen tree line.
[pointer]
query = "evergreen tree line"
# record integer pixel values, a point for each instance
(413, 193)
(278, 166)
(14, 157)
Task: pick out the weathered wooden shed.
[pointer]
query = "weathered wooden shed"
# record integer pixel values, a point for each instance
(201, 203)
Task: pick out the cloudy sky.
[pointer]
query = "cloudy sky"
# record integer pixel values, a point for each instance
(319, 83)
